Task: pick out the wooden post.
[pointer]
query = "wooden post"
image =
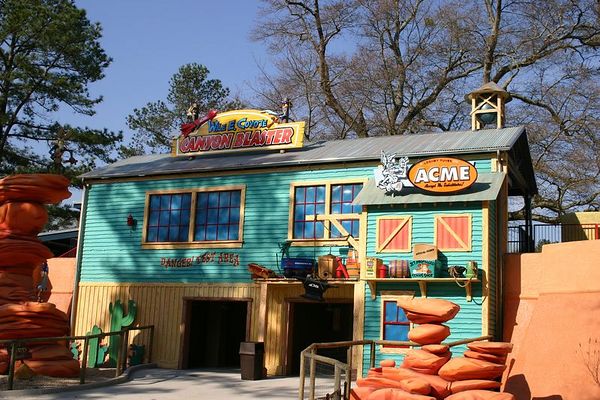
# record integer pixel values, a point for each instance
(372, 363)
(313, 372)
(120, 356)
(11, 367)
(151, 340)
(84, 357)
(125, 348)
(349, 374)
(302, 377)
(336, 382)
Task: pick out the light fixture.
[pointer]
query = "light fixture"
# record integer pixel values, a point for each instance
(487, 118)
(131, 222)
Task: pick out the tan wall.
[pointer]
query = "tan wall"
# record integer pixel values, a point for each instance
(552, 304)
(589, 218)
(61, 281)
(161, 305)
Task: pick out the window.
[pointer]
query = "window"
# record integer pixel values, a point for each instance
(322, 199)
(453, 232)
(169, 218)
(217, 215)
(394, 324)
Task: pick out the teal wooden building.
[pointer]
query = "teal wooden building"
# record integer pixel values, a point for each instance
(176, 233)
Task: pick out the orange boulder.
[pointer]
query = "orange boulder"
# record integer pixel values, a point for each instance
(15, 280)
(439, 386)
(433, 310)
(58, 368)
(17, 253)
(497, 348)
(376, 372)
(485, 357)
(415, 386)
(436, 348)
(50, 352)
(361, 393)
(424, 361)
(387, 363)
(376, 382)
(473, 384)
(461, 368)
(429, 333)
(480, 395)
(22, 219)
(396, 394)
(37, 188)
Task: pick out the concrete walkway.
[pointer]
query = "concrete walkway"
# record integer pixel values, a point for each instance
(168, 384)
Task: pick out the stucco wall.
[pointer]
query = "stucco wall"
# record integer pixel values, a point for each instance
(552, 304)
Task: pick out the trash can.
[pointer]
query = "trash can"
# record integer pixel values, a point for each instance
(252, 356)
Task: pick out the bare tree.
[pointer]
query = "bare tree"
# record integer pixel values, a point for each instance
(387, 67)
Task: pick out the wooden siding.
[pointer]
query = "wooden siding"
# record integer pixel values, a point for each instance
(160, 305)
(467, 323)
(112, 251)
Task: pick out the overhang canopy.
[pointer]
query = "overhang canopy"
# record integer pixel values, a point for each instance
(485, 188)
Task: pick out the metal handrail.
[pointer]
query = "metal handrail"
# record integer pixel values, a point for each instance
(311, 353)
(121, 359)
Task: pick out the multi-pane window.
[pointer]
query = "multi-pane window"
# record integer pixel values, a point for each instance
(308, 202)
(200, 216)
(395, 325)
(218, 215)
(341, 203)
(329, 198)
(169, 217)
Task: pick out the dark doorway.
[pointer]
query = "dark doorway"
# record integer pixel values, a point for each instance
(316, 323)
(214, 330)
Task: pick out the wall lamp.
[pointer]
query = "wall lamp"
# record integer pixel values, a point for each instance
(131, 222)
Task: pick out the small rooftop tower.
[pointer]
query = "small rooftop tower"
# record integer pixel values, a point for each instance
(487, 105)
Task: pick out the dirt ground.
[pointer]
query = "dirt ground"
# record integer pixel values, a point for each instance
(45, 382)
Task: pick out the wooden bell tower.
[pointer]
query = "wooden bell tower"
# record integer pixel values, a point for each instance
(487, 106)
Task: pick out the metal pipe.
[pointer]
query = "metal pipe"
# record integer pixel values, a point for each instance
(11, 368)
(78, 257)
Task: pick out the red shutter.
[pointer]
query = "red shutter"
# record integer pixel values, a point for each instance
(453, 232)
(393, 234)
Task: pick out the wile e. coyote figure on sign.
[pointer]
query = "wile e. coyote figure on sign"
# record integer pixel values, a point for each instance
(389, 175)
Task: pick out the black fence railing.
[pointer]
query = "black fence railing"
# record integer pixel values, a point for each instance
(520, 242)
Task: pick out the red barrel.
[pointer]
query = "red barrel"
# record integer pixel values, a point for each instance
(382, 271)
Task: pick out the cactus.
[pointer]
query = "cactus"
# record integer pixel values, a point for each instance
(117, 322)
(96, 351)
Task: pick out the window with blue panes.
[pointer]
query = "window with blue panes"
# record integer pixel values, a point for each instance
(395, 325)
(218, 216)
(342, 197)
(310, 201)
(169, 217)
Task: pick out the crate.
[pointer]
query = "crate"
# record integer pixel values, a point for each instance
(371, 267)
(425, 269)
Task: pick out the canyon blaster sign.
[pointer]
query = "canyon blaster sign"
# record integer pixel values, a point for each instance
(442, 175)
(238, 130)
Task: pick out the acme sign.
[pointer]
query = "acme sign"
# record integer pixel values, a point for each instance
(442, 174)
(240, 130)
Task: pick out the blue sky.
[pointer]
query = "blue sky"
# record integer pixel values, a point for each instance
(149, 40)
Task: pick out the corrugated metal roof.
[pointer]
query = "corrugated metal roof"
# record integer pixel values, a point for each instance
(349, 150)
(486, 187)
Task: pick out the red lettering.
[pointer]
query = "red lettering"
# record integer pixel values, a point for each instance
(239, 140)
(184, 145)
(277, 138)
(287, 135)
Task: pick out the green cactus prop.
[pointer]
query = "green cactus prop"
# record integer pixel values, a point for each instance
(74, 349)
(117, 322)
(96, 351)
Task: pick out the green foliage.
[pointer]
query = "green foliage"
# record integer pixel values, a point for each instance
(156, 123)
(49, 53)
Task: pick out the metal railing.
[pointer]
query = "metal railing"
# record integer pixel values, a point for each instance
(123, 334)
(519, 242)
(339, 391)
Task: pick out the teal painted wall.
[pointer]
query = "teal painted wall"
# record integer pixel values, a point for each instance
(112, 251)
(493, 267)
(467, 324)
